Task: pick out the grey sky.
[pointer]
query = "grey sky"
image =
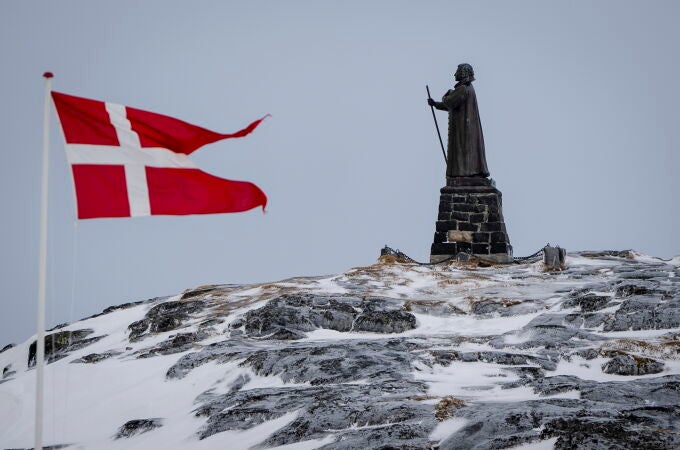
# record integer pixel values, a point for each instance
(578, 103)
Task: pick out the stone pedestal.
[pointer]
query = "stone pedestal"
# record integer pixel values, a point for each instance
(471, 221)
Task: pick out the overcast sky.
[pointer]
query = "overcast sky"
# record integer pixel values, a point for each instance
(578, 100)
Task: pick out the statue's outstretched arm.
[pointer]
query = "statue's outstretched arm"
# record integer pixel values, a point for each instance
(439, 105)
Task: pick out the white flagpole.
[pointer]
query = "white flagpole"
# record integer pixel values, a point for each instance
(42, 271)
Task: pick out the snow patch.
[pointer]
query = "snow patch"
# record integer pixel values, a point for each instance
(447, 428)
(547, 444)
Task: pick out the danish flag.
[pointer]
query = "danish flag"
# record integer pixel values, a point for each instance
(129, 163)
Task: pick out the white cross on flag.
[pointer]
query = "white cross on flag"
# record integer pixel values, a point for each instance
(128, 163)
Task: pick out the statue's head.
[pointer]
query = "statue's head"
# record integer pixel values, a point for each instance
(465, 74)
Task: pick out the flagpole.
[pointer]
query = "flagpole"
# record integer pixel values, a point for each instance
(42, 270)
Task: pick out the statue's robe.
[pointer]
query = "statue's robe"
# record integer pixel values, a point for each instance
(466, 156)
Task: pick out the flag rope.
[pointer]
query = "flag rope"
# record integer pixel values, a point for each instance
(66, 386)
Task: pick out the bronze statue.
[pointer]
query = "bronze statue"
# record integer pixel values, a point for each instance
(466, 142)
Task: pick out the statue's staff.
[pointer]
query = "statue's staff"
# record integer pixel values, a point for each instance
(436, 125)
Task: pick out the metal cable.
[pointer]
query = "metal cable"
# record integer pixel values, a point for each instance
(401, 255)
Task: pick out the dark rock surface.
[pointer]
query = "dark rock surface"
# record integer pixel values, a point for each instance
(287, 317)
(138, 426)
(128, 305)
(575, 433)
(166, 316)
(330, 393)
(398, 419)
(632, 365)
(608, 415)
(604, 253)
(178, 343)
(7, 373)
(502, 307)
(93, 358)
(46, 447)
(7, 347)
(58, 345)
(588, 302)
(645, 312)
(509, 359)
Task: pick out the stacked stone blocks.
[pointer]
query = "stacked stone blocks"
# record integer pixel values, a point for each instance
(471, 221)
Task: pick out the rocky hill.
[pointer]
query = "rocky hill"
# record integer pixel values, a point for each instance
(386, 356)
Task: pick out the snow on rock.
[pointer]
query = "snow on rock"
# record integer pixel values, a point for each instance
(383, 356)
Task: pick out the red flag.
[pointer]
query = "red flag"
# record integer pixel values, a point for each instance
(127, 163)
